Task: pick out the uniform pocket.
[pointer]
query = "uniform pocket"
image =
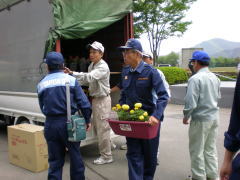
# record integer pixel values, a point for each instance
(142, 83)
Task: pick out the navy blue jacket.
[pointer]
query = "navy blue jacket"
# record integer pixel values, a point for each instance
(52, 97)
(137, 87)
(232, 136)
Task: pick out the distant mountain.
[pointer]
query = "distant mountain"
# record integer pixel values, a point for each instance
(220, 47)
(230, 53)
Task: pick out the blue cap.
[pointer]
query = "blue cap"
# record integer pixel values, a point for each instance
(54, 58)
(132, 44)
(200, 56)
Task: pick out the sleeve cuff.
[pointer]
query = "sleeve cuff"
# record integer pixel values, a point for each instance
(157, 116)
(231, 143)
(77, 73)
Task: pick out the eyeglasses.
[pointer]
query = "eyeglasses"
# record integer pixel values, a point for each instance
(192, 62)
(128, 51)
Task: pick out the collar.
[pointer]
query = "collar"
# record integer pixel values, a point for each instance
(139, 67)
(55, 71)
(205, 69)
(99, 62)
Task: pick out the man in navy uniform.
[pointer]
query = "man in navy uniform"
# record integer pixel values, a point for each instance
(231, 167)
(52, 101)
(137, 82)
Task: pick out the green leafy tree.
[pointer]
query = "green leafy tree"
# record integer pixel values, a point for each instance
(160, 19)
(172, 58)
(223, 62)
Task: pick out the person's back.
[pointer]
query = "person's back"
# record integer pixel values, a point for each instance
(52, 101)
(209, 94)
(52, 90)
(201, 101)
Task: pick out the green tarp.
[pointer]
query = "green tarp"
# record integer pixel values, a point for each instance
(80, 18)
(7, 3)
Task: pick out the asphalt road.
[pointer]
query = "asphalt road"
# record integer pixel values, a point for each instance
(174, 155)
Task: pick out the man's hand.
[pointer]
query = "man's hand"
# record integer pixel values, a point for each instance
(153, 121)
(226, 170)
(67, 70)
(88, 126)
(185, 121)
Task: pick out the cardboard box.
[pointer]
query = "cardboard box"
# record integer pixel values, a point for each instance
(27, 147)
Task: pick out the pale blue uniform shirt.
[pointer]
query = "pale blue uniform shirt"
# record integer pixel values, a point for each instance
(166, 85)
(203, 93)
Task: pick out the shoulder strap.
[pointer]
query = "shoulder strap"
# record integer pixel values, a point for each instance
(68, 102)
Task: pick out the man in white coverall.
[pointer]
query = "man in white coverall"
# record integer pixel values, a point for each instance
(97, 79)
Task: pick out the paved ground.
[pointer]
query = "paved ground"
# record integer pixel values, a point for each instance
(174, 158)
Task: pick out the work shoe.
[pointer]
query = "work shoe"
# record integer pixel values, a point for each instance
(102, 160)
(190, 178)
(123, 147)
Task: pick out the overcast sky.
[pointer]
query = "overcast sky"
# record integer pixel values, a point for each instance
(210, 19)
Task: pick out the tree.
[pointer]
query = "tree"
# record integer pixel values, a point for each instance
(172, 58)
(160, 19)
(223, 62)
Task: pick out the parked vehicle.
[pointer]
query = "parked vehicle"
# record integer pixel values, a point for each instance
(31, 28)
(164, 65)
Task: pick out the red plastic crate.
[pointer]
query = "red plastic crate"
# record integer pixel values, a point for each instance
(134, 129)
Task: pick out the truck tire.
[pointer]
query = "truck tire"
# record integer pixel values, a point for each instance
(23, 120)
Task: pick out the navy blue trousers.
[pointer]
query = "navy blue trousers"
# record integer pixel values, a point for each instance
(142, 157)
(235, 175)
(55, 132)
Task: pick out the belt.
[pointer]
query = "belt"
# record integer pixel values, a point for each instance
(93, 97)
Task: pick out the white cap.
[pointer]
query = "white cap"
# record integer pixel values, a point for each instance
(97, 45)
(146, 55)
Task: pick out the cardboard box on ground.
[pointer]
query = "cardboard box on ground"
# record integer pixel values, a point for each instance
(27, 147)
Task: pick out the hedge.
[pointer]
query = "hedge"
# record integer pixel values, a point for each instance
(174, 75)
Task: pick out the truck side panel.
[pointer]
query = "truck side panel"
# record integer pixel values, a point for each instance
(23, 33)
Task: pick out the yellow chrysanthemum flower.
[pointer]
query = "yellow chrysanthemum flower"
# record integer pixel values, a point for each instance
(118, 105)
(138, 105)
(114, 108)
(145, 114)
(141, 118)
(125, 107)
(132, 111)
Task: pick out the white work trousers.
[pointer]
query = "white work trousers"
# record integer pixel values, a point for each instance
(101, 108)
(202, 148)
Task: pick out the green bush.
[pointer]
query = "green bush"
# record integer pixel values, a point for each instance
(226, 79)
(174, 75)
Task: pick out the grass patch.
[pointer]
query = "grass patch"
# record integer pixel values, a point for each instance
(224, 69)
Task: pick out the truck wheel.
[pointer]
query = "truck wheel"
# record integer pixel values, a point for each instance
(23, 120)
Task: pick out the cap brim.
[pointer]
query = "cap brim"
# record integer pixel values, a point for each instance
(90, 46)
(124, 47)
(146, 55)
(93, 47)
